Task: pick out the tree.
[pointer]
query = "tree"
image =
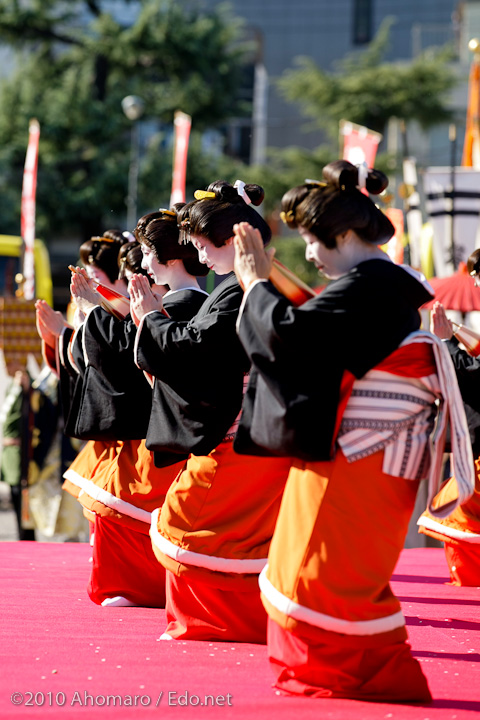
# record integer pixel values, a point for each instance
(369, 92)
(74, 64)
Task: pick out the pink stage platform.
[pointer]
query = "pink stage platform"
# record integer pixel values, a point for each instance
(62, 656)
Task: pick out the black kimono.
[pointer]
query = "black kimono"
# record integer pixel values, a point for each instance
(201, 367)
(112, 398)
(299, 355)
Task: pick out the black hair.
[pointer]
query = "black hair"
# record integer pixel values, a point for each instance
(102, 252)
(214, 217)
(473, 262)
(130, 258)
(159, 231)
(330, 208)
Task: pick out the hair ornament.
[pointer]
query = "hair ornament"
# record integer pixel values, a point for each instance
(202, 194)
(362, 176)
(287, 217)
(239, 186)
(184, 227)
(169, 212)
(320, 183)
(130, 237)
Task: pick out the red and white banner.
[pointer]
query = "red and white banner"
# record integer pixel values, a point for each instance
(182, 124)
(29, 189)
(359, 143)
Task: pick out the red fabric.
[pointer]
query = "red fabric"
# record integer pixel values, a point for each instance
(124, 564)
(413, 360)
(455, 292)
(464, 563)
(197, 611)
(325, 670)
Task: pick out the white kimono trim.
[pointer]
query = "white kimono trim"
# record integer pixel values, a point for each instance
(103, 496)
(448, 531)
(207, 562)
(137, 336)
(327, 622)
(61, 347)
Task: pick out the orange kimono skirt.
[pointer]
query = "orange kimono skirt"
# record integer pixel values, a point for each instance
(335, 627)
(460, 532)
(212, 535)
(120, 493)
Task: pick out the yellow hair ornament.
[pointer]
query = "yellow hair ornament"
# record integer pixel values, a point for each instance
(167, 212)
(202, 194)
(309, 181)
(287, 217)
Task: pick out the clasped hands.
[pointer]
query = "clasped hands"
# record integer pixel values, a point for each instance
(142, 299)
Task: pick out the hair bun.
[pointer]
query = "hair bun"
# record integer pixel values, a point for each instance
(256, 193)
(343, 175)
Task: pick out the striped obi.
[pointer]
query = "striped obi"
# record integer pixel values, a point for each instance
(407, 417)
(391, 413)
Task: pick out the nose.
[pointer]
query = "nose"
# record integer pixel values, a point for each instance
(202, 256)
(308, 253)
(144, 264)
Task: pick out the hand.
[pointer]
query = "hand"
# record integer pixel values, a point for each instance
(50, 323)
(142, 299)
(440, 325)
(83, 294)
(252, 261)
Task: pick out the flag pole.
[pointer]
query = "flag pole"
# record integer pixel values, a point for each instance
(452, 136)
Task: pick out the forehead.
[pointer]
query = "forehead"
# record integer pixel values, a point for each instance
(199, 239)
(307, 235)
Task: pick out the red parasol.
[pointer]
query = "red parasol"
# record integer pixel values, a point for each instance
(455, 292)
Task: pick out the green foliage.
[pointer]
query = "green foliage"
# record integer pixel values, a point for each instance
(367, 91)
(75, 63)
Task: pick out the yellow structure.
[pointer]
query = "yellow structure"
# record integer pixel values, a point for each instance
(11, 265)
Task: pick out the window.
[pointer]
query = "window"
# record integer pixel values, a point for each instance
(362, 21)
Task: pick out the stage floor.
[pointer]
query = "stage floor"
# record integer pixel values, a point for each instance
(62, 656)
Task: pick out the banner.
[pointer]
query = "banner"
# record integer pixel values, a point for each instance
(413, 213)
(471, 146)
(453, 213)
(359, 143)
(182, 124)
(394, 247)
(29, 189)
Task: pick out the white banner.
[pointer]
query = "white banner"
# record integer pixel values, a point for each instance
(454, 216)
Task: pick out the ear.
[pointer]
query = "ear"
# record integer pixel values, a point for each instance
(172, 262)
(230, 240)
(344, 236)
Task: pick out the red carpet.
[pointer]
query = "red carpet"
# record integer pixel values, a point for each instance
(65, 654)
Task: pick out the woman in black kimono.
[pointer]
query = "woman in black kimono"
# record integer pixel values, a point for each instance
(121, 491)
(347, 386)
(213, 531)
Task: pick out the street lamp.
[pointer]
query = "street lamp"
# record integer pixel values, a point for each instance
(133, 107)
